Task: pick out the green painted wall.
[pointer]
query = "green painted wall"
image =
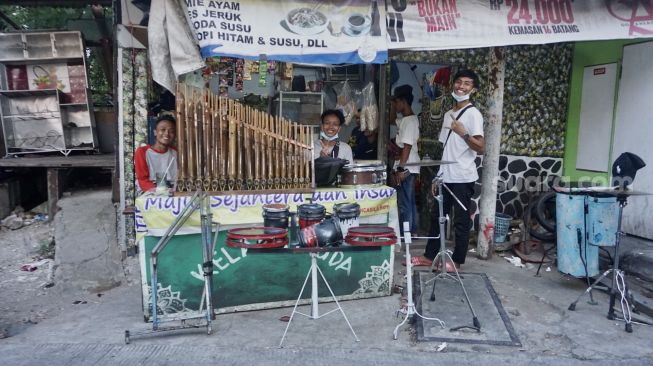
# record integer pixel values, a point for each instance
(586, 54)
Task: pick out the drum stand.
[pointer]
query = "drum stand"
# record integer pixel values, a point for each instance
(315, 312)
(444, 255)
(201, 200)
(618, 280)
(411, 311)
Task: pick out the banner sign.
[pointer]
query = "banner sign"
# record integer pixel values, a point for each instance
(318, 32)
(156, 212)
(452, 24)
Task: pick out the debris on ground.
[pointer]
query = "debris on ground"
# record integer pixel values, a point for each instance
(31, 267)
(441, 347)
(515, 261)
(12, 222)
(19, 218)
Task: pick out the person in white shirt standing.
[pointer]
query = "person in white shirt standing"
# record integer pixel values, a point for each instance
(406, 139)
(462, 136)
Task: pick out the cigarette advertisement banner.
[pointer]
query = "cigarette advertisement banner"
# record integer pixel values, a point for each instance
(450, 24)
(318, 32)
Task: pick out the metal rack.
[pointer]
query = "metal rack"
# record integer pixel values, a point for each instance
(44, 96)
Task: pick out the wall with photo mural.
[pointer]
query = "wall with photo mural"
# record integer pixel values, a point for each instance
(534, 116)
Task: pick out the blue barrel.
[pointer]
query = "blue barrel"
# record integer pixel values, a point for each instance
(602, 217)
(572, 247)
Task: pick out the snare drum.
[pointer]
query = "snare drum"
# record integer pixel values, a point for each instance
(372, 173)
(371, 236)
(257, 237)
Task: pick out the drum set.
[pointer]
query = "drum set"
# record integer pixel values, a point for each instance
(310, 230)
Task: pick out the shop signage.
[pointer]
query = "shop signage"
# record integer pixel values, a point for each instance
(293, 31)
(156, 212)
(447, 24)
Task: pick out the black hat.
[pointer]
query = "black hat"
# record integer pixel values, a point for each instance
(404, 92)
(624, 169)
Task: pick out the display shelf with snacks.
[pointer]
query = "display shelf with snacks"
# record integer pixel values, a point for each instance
(44, 95)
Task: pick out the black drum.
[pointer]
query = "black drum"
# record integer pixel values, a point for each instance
(324, 234)
(276, 215)
(347, 214)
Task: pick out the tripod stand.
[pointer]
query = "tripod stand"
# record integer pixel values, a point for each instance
(618, 278)
(443, 256)
(201, 200)
(313, 271)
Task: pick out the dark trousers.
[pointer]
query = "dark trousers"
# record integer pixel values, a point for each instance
(462, 221)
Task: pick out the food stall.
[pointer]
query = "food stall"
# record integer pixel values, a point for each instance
(244, 157)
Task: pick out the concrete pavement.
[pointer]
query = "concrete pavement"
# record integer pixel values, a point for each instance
(93, 333)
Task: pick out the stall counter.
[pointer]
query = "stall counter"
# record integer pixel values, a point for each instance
(251, 280)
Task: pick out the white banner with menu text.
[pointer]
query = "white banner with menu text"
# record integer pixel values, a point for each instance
(450, 24)
(308, 31)
(353, 31)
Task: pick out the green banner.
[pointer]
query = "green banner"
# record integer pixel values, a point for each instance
(249, 279)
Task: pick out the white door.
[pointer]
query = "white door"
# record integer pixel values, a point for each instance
(634, 133)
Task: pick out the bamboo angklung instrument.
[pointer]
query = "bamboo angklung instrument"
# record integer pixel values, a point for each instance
(181, 142)
(225, 145)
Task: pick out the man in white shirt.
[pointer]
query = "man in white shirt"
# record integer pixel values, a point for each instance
(462, 136)
(406, 140)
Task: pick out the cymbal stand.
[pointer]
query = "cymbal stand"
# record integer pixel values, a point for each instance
(199, 200)
(618, 281)
(410, 311)
(443, 255)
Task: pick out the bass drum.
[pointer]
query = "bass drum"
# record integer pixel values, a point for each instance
(370, 173)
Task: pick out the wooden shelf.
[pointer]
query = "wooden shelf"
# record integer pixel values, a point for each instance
(28, 93)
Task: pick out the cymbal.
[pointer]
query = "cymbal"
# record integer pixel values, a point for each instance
(429, 162)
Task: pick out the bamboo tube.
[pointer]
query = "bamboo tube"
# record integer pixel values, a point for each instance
(271, 160)
(199, 153)
(232, 147)
(261, 151)
(239, 149)
(206, 134)
(249, 172)
(181, 144)
(208, 130)
(190, 133)
(295, 156)
(284, 155)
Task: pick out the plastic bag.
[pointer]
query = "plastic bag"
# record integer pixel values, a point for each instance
(346, 101)
(369, 115)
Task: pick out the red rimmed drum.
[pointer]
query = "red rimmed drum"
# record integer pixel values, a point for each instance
(309, 214)
(371, 236)
(257, 237)
(323, 234)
